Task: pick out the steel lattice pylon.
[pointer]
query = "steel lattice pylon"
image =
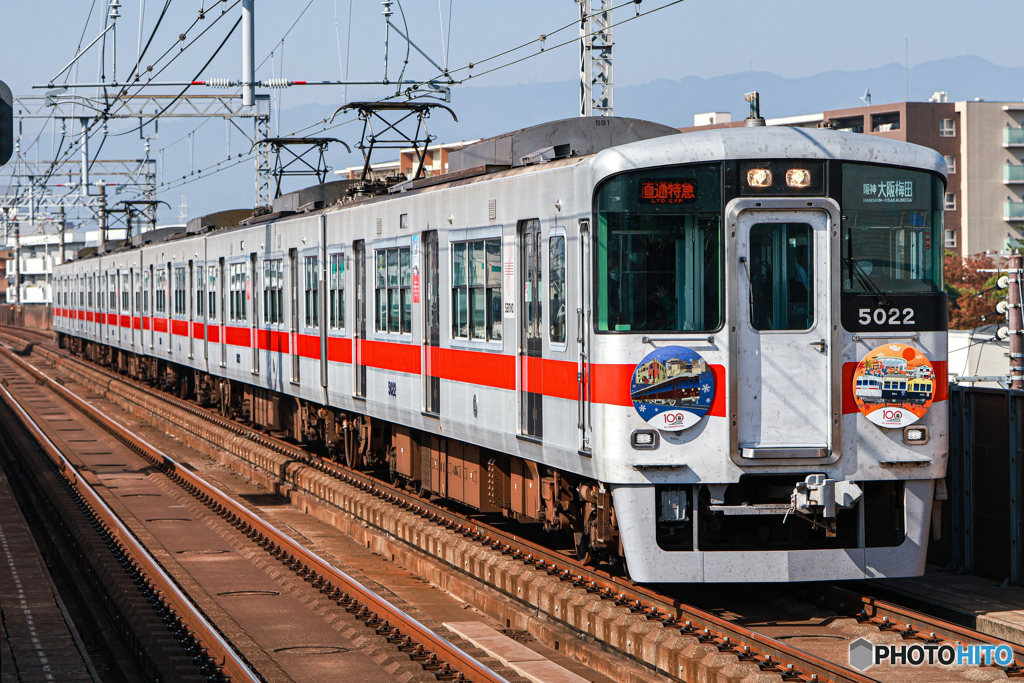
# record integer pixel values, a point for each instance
(596, 81)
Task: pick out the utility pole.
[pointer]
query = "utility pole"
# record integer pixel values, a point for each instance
(596, 76)
(61, 226)
(101, 214)
(1015, 321)
(248, 54)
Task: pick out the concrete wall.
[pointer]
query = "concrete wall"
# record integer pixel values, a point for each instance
(33, 316)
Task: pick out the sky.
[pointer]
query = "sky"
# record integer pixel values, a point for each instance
(326, 39)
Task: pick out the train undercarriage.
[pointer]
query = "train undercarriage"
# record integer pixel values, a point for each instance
(482, 479)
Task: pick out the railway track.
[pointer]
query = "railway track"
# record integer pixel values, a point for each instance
(704, 635)
(429, 652)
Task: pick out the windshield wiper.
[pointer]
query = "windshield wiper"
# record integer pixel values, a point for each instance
(865, 280)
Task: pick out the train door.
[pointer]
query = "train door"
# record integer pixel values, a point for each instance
(252, 294)
(583, 338)
(531, 330)
(222, 288)
(431, 325)
(293, 324)
(359, 268)
(191, 310)
(785, 346)
(149, 306)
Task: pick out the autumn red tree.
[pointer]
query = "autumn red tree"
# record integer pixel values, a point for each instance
(972, 293)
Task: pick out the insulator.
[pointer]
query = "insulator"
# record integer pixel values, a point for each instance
(219, 82)
(277, 83)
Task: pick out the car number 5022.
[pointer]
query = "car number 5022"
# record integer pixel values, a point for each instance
(882, 316)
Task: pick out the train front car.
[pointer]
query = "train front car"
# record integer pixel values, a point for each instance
(766, 383)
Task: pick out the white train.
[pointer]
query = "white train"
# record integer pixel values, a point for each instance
(649, 339)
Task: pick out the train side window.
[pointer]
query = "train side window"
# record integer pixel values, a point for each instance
(112, 291)
(200, 291)
(138, 294)
(145, 292)
(336, 286)
(273, 291)
(394, 291)
(179, 291)
(476, 290)
(312, 279)
(239, 279)
(781, 276)
(556, 288)
(125, 292)
(86, 284)
(161, 290)
(212, 290)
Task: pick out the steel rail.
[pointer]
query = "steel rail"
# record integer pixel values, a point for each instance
(205, 632)
(460, 660)
(770, 654)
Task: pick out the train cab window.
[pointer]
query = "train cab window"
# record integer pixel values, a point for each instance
(556, 287)
(659, 250)
(394, 291)
(273, 292)
(781, 276)
(179, 291)
(476, 290)
(892, 230)
(336, 291)
(161, 290)
(239, 277)
(211, 273)
(312, 280)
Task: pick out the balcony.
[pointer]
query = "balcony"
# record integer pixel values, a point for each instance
(1013, 174)
(1013, 137)
(1013, 211)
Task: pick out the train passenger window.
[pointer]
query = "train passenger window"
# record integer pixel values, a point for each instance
(312, 270)
(145, 292)
(200, 291)
(892, 229)
(125, 292)
(112, 291)
(212, 290)
(273, 292)
(138, 294)
(394, 291)
(239, 280)
(336, 291)
(161, 290)
(659, 251)
(781, 276)
(179, 291)
(476, 290)
(556, 286)
(88, 286)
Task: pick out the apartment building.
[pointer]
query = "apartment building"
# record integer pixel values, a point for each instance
(982, 142)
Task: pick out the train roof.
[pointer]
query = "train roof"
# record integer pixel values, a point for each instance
(759, 142)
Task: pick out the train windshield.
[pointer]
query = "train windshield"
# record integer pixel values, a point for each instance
(892, 229)
(659, 250)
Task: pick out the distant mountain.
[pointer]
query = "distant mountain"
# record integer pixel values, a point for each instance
(488, 111)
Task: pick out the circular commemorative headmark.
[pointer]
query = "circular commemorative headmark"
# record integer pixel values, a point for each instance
(672, 388)
(894, 385)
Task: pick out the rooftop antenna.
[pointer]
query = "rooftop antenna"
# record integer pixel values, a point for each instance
(866, 97)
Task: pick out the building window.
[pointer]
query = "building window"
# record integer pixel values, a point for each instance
(950, 202)
(161, 290)
(179, 291)
(200, 291)
(947, 128)
(476, 290)
(273, 292)
(556, 298)
(950, 164)
(212, 271)
(239, 280)
(950, 241)
(126, 287)
(394, 291)
(312, 291)
(337, 291)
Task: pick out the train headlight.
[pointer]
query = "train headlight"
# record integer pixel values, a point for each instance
(644, 439)
(798, 177)
(915, 435)
(759, 177)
